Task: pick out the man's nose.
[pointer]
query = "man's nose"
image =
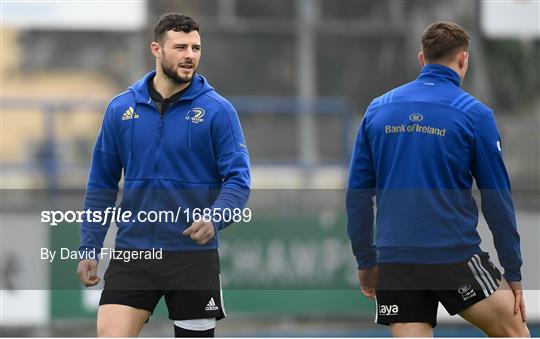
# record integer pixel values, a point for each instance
(190, 54)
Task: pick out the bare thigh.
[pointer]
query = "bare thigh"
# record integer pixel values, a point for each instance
(495, 314)
(411, 330)
(120, 320)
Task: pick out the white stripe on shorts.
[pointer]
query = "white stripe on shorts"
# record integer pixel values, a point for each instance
(221, 297)
(376, 310)
(490, 278)
(480, 282)
(482, 275)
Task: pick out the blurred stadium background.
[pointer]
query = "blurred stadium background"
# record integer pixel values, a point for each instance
(300, 74)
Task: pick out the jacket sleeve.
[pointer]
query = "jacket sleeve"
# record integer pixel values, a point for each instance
(492, 180)
(359, 200)
(232, 161)
(102, 187)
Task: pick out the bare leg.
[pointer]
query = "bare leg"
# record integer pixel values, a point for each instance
(411, 330)
(120, 320)
(495, 315)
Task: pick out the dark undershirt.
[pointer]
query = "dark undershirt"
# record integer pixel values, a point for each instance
(161, 103)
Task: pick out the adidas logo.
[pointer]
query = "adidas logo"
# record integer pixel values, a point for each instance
(211, 306)
(130, 114)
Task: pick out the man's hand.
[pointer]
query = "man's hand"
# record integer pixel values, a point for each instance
(87, 271)
(368, 281)
(519, 304)
(200, 231)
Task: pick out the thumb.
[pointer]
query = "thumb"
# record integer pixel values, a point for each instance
(193, 228)
(368, 292)
(188, 231)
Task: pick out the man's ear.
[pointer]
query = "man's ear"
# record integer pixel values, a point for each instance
(421, 59)
(155, 48)
(463, 59)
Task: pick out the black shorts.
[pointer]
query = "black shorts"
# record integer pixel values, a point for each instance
(190, 282)
(412, 292)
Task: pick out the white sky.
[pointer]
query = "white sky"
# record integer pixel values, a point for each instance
(80, 15)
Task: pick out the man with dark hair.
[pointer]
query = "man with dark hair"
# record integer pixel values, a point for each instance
(418, 148)
(181, 148)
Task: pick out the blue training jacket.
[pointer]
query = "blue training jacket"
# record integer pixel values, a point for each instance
(194, 156)
(418, 148)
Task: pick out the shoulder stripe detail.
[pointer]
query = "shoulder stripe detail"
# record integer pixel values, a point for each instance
(375, 103)
(119, 95)
(465, 102)
(383, 98)
(391, 96)
(459, 98)
(474, 102)
(387, 97)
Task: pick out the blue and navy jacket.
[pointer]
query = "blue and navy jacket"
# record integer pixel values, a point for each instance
(418, 148)
(192, 156)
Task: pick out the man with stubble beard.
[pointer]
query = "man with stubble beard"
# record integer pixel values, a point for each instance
(180, 146)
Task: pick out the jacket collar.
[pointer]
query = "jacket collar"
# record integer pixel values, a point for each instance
(439, 72)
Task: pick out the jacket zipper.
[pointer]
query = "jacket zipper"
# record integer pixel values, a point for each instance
(158, 156)
(157, 167)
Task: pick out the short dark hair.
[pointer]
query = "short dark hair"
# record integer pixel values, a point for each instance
(442, 40)
(174, 22)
